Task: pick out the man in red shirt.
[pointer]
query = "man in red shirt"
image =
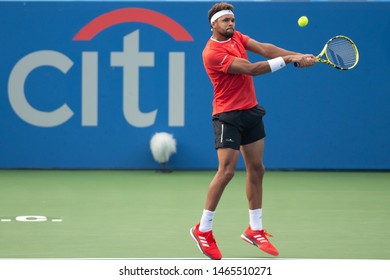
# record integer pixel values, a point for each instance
(238, 121)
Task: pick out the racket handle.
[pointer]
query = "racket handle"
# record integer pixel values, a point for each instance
(296, 64)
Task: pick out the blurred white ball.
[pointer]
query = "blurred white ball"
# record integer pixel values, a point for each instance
(163, 146)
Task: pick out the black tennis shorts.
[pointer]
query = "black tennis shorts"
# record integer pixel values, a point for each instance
(236, 128)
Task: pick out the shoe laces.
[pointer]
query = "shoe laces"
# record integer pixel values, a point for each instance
(262, 234)
(267, 234)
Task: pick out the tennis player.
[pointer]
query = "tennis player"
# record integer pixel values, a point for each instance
(238, 121)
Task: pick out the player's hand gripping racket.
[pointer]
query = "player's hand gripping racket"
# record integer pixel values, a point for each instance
(339, 52)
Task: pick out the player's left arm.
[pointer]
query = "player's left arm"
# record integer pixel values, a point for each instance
(271, 51)
(267, 50)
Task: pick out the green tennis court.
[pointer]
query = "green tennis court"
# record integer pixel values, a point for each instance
(146, 214)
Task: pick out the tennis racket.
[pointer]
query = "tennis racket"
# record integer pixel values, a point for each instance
(339, 52)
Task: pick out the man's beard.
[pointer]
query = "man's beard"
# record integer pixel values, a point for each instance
(228, 33)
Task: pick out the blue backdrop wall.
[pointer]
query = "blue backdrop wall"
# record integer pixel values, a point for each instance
(87, 84)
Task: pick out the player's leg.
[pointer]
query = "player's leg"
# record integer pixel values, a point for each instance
(227, 159)
(253, 158)
(202, 232)
(227, 143)
(255, 234)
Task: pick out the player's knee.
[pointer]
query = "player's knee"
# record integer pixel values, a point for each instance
(227, 174)
(257, 170)
(262, 170)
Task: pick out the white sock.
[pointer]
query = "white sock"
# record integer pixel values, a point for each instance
(206, 222)
(255, 219)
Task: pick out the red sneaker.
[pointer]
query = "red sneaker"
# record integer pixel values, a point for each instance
(260, 240)
(206, 243)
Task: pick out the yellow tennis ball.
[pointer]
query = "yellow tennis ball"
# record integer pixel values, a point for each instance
(303, 21)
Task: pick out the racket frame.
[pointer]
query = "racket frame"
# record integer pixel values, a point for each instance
(328, 62)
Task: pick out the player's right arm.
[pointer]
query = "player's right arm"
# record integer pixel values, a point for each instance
(243, 66)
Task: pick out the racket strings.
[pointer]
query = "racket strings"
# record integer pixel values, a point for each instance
(341, 53)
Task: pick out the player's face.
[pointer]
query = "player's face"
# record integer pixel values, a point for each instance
(225, 26)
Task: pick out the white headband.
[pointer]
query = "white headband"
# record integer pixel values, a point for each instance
(217, 15)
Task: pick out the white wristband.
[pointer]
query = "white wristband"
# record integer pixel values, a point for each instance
(276, 63)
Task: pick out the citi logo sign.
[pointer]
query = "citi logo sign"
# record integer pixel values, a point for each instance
(131, 59)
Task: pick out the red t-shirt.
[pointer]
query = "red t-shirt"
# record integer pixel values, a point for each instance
(231, 91)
